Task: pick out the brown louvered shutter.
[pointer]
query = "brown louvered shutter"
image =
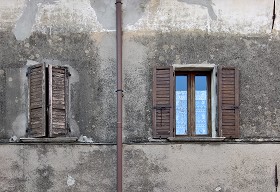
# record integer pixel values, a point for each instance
(163, 84)
(229, 102)
(37, 100)
(58, 93)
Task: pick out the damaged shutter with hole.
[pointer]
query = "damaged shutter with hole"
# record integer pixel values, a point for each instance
(163, 102)
(37, 101)
(229, 102)
(58, 94)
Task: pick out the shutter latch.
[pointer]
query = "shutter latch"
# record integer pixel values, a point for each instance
(162, 107)
(68, 73)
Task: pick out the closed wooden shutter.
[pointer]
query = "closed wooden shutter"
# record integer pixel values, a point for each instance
(163, 83)
(37, 100)
(58, 92)
(229, 102)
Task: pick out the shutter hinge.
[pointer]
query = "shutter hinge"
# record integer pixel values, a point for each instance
(28, 71)
(28, 130)
(68, 127)
(68, 73)
(173, 73)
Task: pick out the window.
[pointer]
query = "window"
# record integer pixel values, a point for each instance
(185, 101)
(48, 98)
(192, 103)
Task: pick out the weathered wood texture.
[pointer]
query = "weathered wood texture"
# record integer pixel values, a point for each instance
(163, 82)
(37, 101)
(229, 102)
(58, 89)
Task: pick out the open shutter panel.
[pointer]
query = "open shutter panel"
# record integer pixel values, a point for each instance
(229, 102)
(58, 90)
(37, 101)
(163, 102)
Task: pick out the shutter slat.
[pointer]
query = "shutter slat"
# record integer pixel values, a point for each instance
(58, 89)
(163, 102)
(229, 102)
(37, 101)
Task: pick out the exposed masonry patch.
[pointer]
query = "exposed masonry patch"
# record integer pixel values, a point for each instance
(205, 3)
(23, 27)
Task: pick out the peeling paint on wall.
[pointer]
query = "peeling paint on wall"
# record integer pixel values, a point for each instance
(133, 6)
(205, 3)
(105, 12)
(19, 125)
(23, 27)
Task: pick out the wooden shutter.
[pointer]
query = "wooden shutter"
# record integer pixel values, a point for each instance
(37, 100)
(228, 78)
(163, 83)
(58, 94)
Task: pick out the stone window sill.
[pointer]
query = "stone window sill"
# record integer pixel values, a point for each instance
(49, 140)
(196, 139)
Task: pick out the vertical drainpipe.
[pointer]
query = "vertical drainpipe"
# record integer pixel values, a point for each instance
(119, 93)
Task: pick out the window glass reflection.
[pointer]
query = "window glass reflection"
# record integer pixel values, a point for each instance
(181, 105)
(201, 117)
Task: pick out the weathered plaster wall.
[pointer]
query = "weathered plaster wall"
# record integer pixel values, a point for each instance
(152, 167)
(200, 167)
(41, 168)
(81, 35)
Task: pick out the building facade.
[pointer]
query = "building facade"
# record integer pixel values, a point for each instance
(237, 147)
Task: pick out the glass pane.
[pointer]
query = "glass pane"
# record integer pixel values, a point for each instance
(181, 105)
(201, 105)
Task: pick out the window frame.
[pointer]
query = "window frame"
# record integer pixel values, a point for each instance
(212, 70)
(191, 132)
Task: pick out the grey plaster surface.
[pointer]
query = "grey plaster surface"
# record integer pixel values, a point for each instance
(205, 3)
(200, 167)
(39, 168)
(157, 167)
